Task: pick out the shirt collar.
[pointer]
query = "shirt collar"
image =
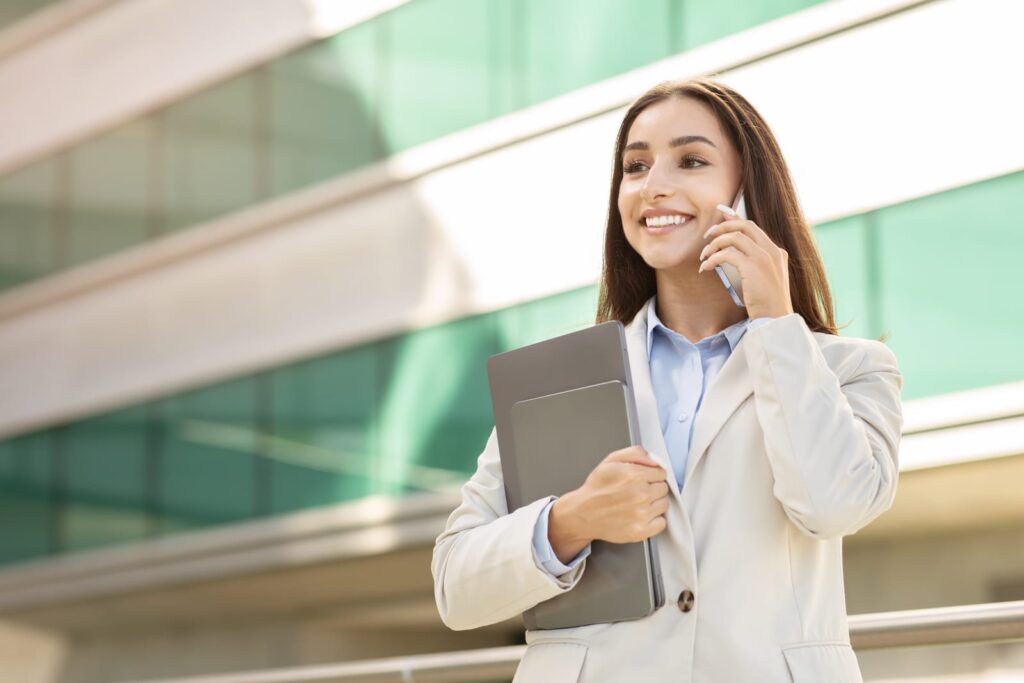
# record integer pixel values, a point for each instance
(732, 334)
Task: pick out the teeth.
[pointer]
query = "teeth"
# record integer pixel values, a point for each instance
(658, 221)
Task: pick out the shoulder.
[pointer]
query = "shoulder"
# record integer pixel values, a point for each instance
(849, 357)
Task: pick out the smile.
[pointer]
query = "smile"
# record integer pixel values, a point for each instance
(660, 225)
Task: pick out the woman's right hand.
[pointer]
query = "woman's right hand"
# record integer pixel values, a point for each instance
(623, 500)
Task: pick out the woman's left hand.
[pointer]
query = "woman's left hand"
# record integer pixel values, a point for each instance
(763, 266)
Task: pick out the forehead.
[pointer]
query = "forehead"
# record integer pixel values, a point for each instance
(675, 116)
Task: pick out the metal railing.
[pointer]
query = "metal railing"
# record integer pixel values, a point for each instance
(992, 622)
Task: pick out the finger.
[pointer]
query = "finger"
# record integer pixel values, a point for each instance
(652, 475)
(730, 255)
(660, 506)
(659, 489)
(632, 454)
(735, 239)
(745, 226)
(641, 474)
(656, 526)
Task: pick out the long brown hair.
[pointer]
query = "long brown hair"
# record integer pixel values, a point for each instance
(627, 282)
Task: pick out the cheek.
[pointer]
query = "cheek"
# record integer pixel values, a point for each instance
(626, 198)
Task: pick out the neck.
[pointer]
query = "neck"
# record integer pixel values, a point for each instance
(696, 305)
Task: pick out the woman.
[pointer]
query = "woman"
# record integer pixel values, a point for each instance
(765, 436)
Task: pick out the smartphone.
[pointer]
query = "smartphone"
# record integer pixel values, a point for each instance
(727, 272)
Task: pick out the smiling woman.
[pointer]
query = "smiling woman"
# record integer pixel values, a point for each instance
(683, 148)
(764, 436)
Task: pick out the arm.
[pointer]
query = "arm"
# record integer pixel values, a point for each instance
(832, 444)
(483, 564)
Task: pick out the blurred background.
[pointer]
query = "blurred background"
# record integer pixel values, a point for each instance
(254, 255)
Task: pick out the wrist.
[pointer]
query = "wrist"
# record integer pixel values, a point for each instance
(566, 532)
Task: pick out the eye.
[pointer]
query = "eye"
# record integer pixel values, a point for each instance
(634, 166)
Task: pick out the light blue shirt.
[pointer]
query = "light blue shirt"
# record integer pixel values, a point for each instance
(680, 373)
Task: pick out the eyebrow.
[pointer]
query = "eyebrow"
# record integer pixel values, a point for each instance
(676, 142)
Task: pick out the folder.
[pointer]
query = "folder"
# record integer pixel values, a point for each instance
(560, 407)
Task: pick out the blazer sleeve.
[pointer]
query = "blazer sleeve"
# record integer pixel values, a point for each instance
(831, 435)
(484, 566)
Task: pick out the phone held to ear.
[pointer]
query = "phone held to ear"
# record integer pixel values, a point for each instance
(727, 272)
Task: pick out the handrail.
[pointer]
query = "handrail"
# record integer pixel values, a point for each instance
(936, 626)
(983, 623)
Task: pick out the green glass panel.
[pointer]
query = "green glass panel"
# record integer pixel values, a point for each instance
(26, 512)
(208, 453)
(104, 475)
(434, 404)
(697, 23)
(437, 73)
(843, 246)
(951, 280)
(325, 101)
(209, 160)
(27, 213)
(108, 207)
(322, 448)
(506, 79)
(572, 43)
(14, 10)
(542, 319)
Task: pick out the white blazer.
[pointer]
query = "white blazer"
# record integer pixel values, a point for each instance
(795, 446)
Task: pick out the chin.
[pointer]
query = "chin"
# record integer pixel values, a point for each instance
(662, 259)
(660, 253)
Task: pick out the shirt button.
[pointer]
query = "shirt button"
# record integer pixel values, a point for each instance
(682, 417)
(685, 601)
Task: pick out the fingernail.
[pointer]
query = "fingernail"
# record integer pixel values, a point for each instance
(702, 253)
(711, 229)
(726, 209)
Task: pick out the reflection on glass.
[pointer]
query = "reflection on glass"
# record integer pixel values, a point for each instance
(437, 70)
(568, 44)
(325, 102)
(211, 152)
(434, 405)
(322, 446)
(14, 10)
(109, 203)
(27, 224)
(104, 472)
(207, 468)
(26, 510)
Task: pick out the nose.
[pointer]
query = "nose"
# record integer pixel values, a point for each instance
(656, 184)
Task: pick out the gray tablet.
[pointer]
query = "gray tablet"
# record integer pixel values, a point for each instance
(560, 407)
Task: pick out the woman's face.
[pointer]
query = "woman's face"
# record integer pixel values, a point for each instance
(667, 170)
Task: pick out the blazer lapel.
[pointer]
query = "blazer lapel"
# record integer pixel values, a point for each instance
(651, 437)
(731, 386)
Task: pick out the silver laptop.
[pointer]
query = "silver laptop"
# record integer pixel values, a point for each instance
(560, 407)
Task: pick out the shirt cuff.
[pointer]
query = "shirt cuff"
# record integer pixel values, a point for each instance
(544, 554)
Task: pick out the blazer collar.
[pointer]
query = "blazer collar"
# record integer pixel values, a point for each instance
(730, 387)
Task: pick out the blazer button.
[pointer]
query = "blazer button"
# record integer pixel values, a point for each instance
(685, 601)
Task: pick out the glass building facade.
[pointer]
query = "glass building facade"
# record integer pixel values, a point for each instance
(329, 108)
(353, 422)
